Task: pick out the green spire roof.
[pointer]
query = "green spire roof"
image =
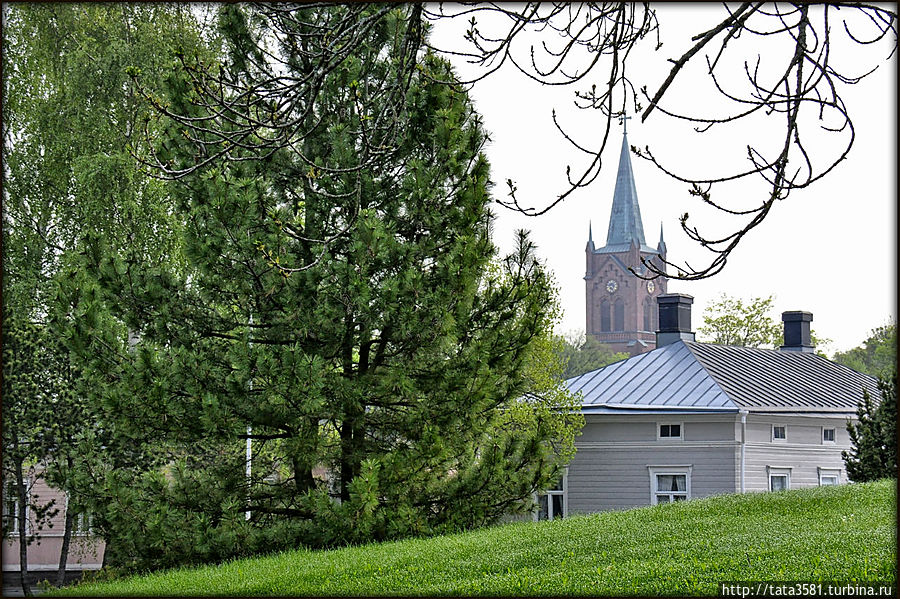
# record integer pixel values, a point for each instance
(625, 220)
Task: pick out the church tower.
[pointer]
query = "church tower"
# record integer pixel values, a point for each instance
(621, 307)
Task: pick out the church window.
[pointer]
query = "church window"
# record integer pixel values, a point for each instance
(648, 324)
(619, 317)
(604, 316)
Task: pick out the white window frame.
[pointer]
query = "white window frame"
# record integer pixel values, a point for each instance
(564, 492)
(680, 426)
(15, 524)
(833, 434)
(829, 473)
(682, 470)
(776, 439)
(777, 471)
(83, 524)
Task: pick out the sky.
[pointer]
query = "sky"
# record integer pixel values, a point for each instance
(829, 249)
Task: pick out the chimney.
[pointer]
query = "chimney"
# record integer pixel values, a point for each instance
(796, 332)
(674, 318)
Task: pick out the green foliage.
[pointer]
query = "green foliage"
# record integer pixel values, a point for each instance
(731, 321)
(28, 388)
(392, 373)
(877, 356)
(581, 354)
(73, 122)
(845, 533)
(873, 436)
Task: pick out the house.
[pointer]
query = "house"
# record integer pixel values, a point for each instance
(689, 420)
(85, 549)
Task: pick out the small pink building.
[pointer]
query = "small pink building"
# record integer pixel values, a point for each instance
(85, 549)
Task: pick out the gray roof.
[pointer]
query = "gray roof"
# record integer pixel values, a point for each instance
(692, 377)
(623, 247)
(625, 219)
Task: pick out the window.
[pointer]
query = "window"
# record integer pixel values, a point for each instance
(670, 431)
(827, 435)
(83, 521)
(648, 309)
(82, 524)
(829, 477)
(619, 317)
(552, 504)
(604, 316)
(11, 508)
(779, 479)
(779, 432)
(669, 484)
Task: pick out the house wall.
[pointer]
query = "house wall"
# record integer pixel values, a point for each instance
(610, 468)
(85, 552)
(803, 452)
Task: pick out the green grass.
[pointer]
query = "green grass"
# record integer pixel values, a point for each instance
(845, 533)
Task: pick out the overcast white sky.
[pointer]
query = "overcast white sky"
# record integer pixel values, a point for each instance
(829, 249)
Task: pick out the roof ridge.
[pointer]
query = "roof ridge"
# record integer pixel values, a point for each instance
(689, 345)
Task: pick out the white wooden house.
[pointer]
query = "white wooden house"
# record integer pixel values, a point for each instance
(690, 420)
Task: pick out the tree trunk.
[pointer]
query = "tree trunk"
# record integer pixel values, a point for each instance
(23, 524)
(67, 537)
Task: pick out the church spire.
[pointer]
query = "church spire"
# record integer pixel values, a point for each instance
(661, 247)
(625, 223)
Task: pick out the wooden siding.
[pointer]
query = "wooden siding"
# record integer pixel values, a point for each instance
(616, 430)
(610, 469)
(85, 552)
(804, 464)
(803, 451)
(804, 430)
(609, 479)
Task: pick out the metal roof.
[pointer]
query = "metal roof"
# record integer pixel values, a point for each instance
(623, 247)
(667, 377)
(763, 379)
(625, 219)
(689, 376)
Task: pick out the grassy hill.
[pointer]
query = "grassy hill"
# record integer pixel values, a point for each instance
(845, 533)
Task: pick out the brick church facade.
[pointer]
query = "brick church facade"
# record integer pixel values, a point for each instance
(621, 307)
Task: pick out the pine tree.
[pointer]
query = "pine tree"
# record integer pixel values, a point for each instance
(341, 304)
(874, 435)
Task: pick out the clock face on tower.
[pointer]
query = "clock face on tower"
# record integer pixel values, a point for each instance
(611, 286)
(651, 286)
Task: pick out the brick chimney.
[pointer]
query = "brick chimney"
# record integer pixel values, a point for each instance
(674, 318)
(796, 332)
